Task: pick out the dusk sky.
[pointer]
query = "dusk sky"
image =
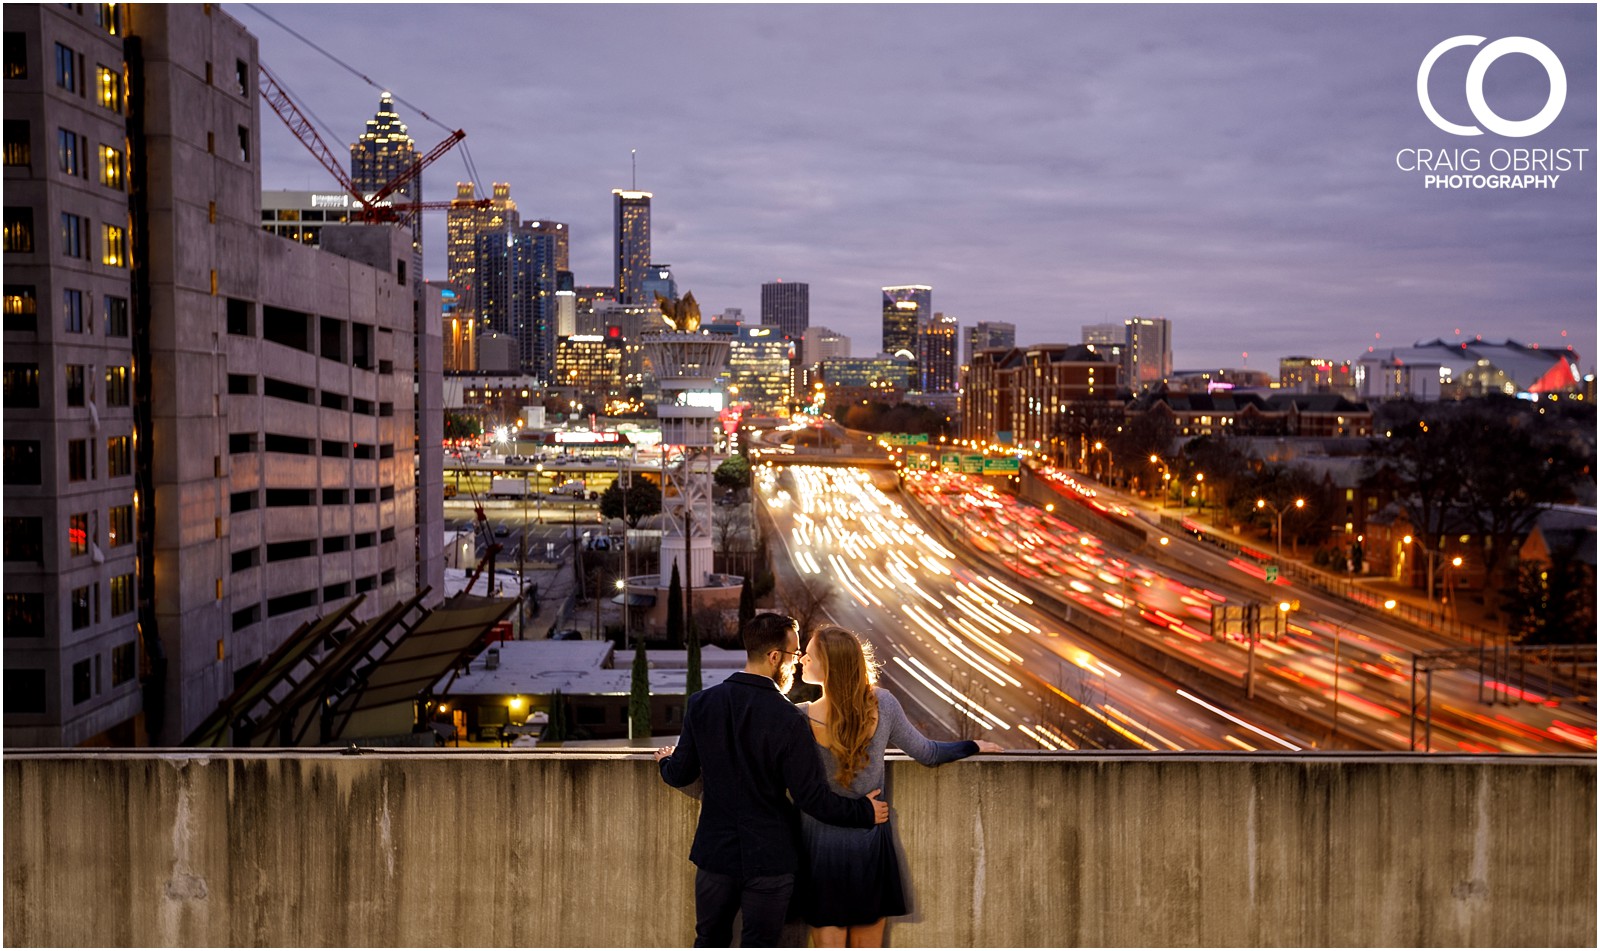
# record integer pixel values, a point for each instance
(1233, 169)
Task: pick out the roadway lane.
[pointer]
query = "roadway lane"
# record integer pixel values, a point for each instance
(970, 649)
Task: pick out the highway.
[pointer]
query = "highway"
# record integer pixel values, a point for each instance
(1172, 608)
(970, 650)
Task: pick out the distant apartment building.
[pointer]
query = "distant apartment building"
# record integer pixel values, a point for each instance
(847, 380)
(937, 369)
(1147, 352)
(1222, 378)
(823, 344)
(1315, 375)
(1055, 399)
(561, 240)
(1246, 414)
(786, 305)
(209, 429)
(987, 335)
(630, 243)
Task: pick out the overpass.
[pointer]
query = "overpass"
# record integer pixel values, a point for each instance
(557, 848)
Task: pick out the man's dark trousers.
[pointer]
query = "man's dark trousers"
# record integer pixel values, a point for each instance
(764, 899)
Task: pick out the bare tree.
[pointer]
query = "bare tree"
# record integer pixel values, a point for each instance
(806, 599)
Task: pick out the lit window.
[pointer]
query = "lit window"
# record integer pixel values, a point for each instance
(78, 533)
(114, 252)
(111, 89)
(112, 170)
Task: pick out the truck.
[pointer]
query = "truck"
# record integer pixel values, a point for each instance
(573, 487)
(508, 488)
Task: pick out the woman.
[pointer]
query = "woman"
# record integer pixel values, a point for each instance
(854, 874)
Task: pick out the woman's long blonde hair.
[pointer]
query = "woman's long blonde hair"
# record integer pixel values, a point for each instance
(850, 673)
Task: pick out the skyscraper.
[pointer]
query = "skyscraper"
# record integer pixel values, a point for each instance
(821, 344)
(936, 354)
(463, 223)
(631, 243)
(904, 307)
(1147, 352)
(378, 157)
(560, 233)
(986, 335)
(786, 305)
(658, 279)
(516, 294)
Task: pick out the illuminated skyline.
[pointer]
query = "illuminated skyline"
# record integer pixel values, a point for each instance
(1235, 170)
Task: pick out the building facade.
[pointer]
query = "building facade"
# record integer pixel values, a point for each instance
(904, 308)
(937, 369)
(758, 370)
(658, 280)
(1055, 399)
(989, 335)
(1315, 375)
(630, 243)
(1147, 352)
(516, 294)
(786, 305)
(235, 450)
(383, 152)
(463, 223)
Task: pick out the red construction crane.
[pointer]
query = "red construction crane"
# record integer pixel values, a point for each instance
(377, 206)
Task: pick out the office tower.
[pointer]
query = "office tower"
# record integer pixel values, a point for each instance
(380, 155)
(758, 370)
(591, 366)
(786, 306)
(658, 280)
(987, 335)
(463, 223)
(517, 294)
(904, 309)
(936, 354)
(821, 344)
(232, 451)
(631, 243)
(1147, 354)
(561, 235)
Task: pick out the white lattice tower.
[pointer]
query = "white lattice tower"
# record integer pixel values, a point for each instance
(686, 364)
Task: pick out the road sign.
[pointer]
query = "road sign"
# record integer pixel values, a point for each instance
(1272, 574)
(1005, 466)
(950, 460)
(972, 464)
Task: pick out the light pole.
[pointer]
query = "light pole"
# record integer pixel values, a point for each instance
(538, 478)
(1199, 492)
(1278, 511)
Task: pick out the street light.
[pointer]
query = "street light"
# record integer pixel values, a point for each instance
(1278, 511)
(538, 477)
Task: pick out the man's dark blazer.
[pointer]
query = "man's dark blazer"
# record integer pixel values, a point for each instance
(749, 744)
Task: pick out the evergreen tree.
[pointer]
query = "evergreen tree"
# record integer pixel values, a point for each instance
(556, 731)
(747, 603)
(639, 696)
(692, 678)
(675, 610)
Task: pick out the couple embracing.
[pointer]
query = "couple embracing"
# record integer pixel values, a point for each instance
(755, 750)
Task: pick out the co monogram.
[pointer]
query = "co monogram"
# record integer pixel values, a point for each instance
(1513, 128)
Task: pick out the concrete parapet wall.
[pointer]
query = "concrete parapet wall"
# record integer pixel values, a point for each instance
(543, 848)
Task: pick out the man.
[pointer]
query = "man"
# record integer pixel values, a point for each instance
(749, 744)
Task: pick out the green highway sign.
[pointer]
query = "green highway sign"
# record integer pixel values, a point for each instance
(972, 464)
(1005, 466)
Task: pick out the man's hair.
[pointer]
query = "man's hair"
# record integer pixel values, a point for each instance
(768, 632)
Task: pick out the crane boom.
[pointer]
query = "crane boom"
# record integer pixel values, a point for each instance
(276, 97)
(405, 177)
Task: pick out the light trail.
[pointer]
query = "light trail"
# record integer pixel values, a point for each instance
(1230, 717)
